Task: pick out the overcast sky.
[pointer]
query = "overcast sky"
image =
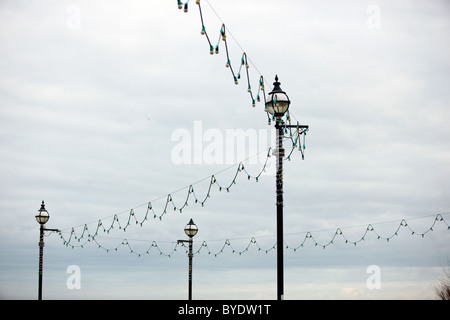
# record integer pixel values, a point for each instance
(98, 97)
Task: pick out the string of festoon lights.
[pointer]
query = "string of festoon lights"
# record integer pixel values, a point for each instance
(214, 48)
(95, 235)
(117, 221)
(305, 238)
(296, 135)
(170, 203)
(293, 134)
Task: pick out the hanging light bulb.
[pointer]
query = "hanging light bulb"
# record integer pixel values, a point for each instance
(222, 32)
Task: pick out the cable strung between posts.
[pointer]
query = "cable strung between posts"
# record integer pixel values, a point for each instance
(235, 40)
(241, 169)
(293, 135)
(214, 48)
(308, 237)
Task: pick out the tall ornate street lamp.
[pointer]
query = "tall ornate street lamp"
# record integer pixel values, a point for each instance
(277, 104)
(190, 230)
(42, 217)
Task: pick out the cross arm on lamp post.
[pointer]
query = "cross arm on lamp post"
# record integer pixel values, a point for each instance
(295, 126)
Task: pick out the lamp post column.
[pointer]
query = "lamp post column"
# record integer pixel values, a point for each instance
(190, 230)
(277, 104)
(41, 256)
(42, 217)
(279, 188)
(190, 269)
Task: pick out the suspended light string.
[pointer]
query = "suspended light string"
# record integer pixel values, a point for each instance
(170, 205)
(308, 238)
(214, 48)
(295, 136)
(235, 40)
(370, 228)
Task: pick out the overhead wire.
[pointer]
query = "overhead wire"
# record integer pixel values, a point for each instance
(295, 138)
(228, 243)
(237, 42)
(241, 169)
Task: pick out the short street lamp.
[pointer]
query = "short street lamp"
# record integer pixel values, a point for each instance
(190, 230)
(42, 217)
(277, 104)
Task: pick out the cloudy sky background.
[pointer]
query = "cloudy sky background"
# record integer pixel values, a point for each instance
(91, 93)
